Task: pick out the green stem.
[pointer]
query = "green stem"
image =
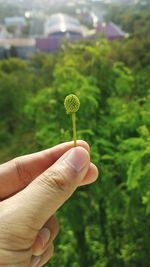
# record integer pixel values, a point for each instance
(74, 129)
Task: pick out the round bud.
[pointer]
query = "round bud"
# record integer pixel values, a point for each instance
(72, 103)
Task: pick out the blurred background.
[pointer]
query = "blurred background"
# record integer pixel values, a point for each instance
(99, 50)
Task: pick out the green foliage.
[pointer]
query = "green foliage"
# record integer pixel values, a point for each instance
(108, 223)
(133, 18)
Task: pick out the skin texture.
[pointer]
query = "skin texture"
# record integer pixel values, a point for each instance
(32, 189)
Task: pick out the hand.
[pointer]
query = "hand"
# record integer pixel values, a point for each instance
(32, 188)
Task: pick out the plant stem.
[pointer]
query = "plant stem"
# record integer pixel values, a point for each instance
(74, 129)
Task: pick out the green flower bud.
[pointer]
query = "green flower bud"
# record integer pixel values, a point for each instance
(72, 104)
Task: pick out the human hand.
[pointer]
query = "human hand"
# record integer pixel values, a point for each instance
(32, 188)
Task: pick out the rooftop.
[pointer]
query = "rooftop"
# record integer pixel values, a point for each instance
(111, 30)
(62, 23)
(15, 21)
(17, 42)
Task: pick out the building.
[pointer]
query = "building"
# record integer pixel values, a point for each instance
(15, 21)
(111, 31)
(58, 27)
(22, 48)
(61, 25)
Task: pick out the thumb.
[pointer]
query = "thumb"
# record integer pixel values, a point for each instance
(49, 191)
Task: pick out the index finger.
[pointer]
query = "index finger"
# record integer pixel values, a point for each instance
(19, 172)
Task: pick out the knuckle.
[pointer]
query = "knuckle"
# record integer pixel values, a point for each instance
(24, 176)
(48, 254)
(55, 226)
(56, 181)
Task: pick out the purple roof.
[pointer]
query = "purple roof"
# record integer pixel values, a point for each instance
(51, 44)
(47, 44)
(110, 30)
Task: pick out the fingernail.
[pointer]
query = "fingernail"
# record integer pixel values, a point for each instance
(77, 158)
(44, 234)
(35, 261)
